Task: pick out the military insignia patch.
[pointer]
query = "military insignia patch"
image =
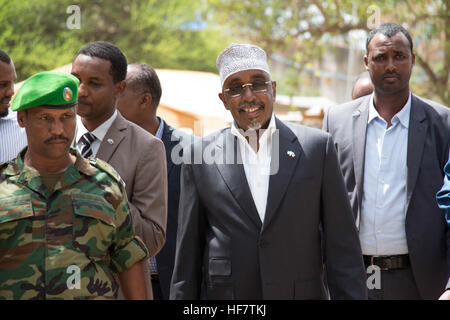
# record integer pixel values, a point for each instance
(67, 94)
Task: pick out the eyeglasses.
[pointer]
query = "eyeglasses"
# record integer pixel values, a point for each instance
(257, 87)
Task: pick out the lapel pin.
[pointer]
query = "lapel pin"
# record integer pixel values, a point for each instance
(291, 154)
(110, 141)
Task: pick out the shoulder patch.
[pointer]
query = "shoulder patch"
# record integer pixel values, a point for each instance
(104, 166)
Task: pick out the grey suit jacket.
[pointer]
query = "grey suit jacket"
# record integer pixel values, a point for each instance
(224, 251)
(140, 160)
(427, 233)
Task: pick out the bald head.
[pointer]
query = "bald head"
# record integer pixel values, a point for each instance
(363, 86)
(142, 78)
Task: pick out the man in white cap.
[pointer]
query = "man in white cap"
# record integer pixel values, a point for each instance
(266, 209)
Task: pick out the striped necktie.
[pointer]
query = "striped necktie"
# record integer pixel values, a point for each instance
(87, 139)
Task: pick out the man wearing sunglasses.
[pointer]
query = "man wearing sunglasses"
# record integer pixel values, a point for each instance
(262, 218)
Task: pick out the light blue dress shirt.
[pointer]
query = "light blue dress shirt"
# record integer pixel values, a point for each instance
(12, 137)
(383, 211)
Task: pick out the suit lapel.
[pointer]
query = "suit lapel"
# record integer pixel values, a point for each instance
(283, 166)
(359, 124)
(417, 133)
(234, 174)
(115, 134)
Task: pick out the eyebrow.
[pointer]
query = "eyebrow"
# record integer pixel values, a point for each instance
(89, 78)
(253, 77)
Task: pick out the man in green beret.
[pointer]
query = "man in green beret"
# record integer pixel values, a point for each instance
(65, 225)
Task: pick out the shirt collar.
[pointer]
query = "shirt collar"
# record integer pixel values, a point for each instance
(98, 132)
(235, 130)
(402, 116)
(159, 132)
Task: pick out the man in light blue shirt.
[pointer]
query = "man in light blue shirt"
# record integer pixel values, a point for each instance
(382, 231)
(12, 136)
(392, 147)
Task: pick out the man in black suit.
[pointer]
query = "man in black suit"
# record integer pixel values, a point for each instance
(138, 104)
(259, 200)
(392, 146)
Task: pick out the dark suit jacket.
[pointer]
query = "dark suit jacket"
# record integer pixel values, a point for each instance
(166, 257)
(139, 158)
(224, 251)
(427, 233)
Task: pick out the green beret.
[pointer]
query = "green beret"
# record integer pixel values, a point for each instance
(47, 89)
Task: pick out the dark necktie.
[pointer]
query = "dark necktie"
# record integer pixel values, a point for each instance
(87, 139)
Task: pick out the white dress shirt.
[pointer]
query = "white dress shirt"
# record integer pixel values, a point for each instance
(98, 132)
(383, 211)
(12, 137)
(257, 164)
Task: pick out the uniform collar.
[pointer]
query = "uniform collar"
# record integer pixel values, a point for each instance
(18, 167)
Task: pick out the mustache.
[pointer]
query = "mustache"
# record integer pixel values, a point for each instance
(81, 101)
(249, 104)
(56, 138)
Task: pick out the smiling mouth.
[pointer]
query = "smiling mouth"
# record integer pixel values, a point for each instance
(251, 109)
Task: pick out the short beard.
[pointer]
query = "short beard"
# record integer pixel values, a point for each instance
(4, 114)
(254, 125)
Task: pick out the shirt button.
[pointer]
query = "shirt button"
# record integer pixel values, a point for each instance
(379, 206)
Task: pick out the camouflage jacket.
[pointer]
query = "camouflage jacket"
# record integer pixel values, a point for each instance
(68, 244)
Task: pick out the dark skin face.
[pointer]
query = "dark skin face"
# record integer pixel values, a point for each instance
(97, 92)
(390, 63)
(251, 109)
(134, 106)
(49, 134)
(7, 78)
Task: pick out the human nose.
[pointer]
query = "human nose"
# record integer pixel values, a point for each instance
(10, 91)
(82, 91)
(57, 127)
(390, 67)
(247, 92)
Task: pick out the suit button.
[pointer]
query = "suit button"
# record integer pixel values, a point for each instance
(263, 244)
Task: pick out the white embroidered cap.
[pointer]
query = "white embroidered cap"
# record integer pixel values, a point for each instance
(239, 57)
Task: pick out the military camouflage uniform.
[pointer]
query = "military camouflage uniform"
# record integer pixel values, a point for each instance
(85, 223)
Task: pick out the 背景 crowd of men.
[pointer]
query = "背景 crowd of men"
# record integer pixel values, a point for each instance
(102, 199)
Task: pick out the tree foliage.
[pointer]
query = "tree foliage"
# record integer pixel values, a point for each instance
(302, 30)
(164, 34)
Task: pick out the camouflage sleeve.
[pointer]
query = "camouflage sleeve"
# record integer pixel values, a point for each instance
(128, 248)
